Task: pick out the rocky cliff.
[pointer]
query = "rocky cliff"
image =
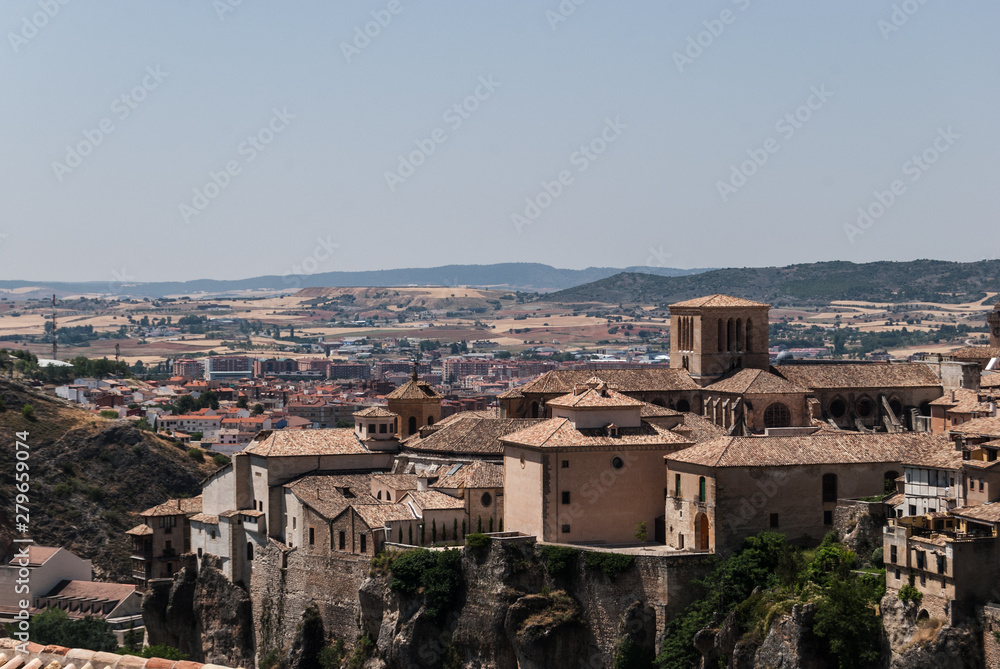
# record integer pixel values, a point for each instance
(202, 614)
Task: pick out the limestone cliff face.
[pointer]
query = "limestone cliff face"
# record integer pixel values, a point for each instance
(202, 614)
(928, 644)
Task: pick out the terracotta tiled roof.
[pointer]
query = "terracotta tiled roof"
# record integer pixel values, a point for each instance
(477, 474)
(114, 592)
(413, 390)
(375, 412)
(433, 500)
(513, 393)
(377, 515)
(953, 398)
(980, 464)
(38, 555)
(718, 301)
(397, 481)
(330, 493)
(976, 352)
(563, 381)
(332, 441)
(560, 433)
(987, 426)
(849, 447)
(860, 375)
(935, 459)
(656, 411)
(595, 398)
(697, 429)
(205, 518)
(990, 380)
(468, 434)
(989, 513)
(174, 507)
(755, 381)
(143, 530)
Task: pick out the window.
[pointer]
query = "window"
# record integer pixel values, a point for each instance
(677, 485)
(260, 506)
(487, 499)
(898, 575)
(777, 415)
(913, 509)
(565, 497)
(249, 551)
(364, 543)
(342, 540)
(774, 521)
(701, 488)
(941, 564)
(170, 569)
(199, 552)
(838, 408)
(312, 536)
(892, 554)
(980, 485)
(828, 517)
(293, 522)
(829, 488)
(565, 464)
(617, 462)
(371, 428)
(412, 425)
(565, 529)
(680, 541)
(921, 556)
(864, 407)
(379, 496)
(168, 546)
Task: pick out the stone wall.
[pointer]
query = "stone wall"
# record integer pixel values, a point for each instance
(859, 525)
(991, 628)
(284, 583)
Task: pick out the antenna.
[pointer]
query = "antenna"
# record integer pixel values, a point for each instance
(117, 352)
(55, 342)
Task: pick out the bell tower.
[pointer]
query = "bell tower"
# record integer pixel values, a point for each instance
(993, 320)
(710, 336)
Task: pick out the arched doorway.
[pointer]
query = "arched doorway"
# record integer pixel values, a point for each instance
(683, 406)
(701, 529)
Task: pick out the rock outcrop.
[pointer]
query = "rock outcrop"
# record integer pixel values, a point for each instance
(202, 614)
(929, 643)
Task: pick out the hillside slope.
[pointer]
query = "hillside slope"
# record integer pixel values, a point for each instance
(813, 283)
(89, 477)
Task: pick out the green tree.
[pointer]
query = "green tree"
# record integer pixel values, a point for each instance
(241, 403)
(53, 626)
(640, 532)
(258, 409)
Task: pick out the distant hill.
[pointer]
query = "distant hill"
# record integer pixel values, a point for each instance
(532, 277)
(806, 284)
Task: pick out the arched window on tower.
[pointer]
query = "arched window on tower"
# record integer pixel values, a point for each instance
(749, 336)
(721, 336)
(730, 335)
(739, 334)
(412, 425)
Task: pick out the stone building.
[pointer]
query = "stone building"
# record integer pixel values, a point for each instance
(591, 473)
(416, 403)
(750, 401)
(159, 541)
(724, 490)
(672, 388)
(712, 335)
(879, 396)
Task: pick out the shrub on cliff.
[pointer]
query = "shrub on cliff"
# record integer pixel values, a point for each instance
(612, 564)
(560, 561)
(477, 540)
(435, 574)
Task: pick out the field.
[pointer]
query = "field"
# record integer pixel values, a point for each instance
(447, 314)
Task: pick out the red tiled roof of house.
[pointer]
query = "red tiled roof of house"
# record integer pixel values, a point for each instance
(37, 555)
(328, 441)
(174, 507)
(562, 381)
(860, 375)
(755, 382)
(561, 433)
(844, 448)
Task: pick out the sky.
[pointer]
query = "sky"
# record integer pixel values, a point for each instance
(183, 139)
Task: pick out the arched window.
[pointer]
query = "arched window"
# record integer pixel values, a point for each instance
(379, 496)
(720, 336)
(864, 407)
(730, 335)
(701, 489)
(777, 415)
(748, 343)
(534, 409)
(838, 408)
(430, 420)
(412, 425)
(683, 405)
(739, 334)
(829, 487)
(249, 551)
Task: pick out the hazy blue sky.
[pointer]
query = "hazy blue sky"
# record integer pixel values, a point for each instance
(665, 120)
